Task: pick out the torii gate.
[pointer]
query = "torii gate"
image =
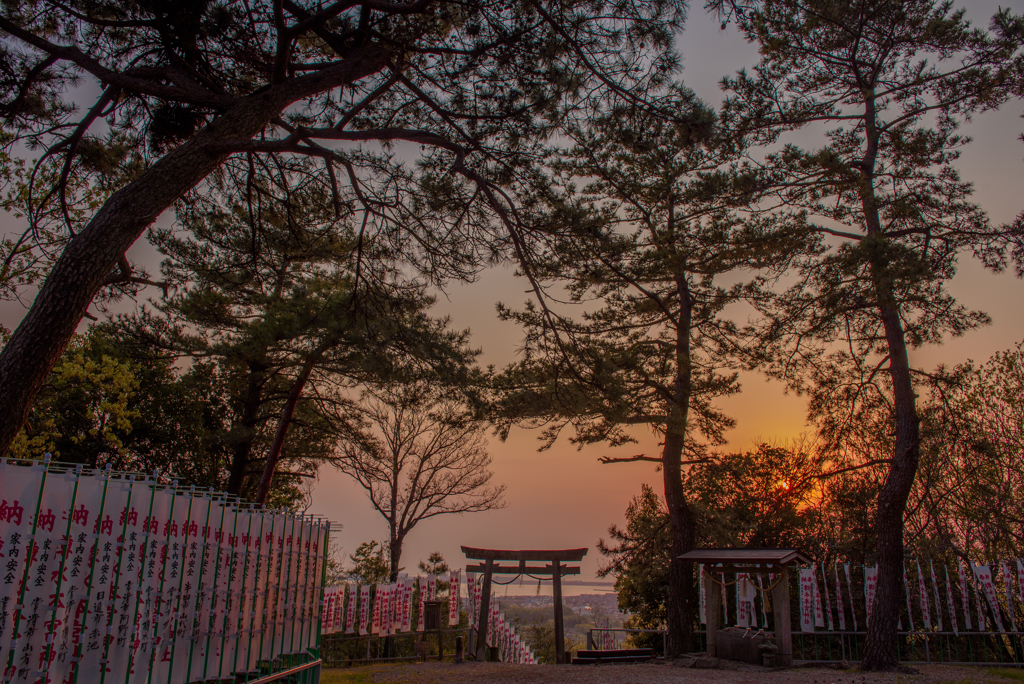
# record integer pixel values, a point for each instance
(556, 570)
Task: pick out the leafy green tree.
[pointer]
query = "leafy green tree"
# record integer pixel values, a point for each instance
(759, 499)
(658, 256)
(369, 564)
(86, 409)
(540, 637)
(640, 562)
(185, 90)
(889, 83)
(110, 402)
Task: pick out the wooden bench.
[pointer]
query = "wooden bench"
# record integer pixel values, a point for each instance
(618, 655)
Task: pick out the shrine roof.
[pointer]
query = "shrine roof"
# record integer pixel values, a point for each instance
(747, 556)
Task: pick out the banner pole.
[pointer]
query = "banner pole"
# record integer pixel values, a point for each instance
(323, 584)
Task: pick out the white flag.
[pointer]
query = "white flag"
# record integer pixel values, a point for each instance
(819, 616)
(839, 601)
(949, 603)
(453, 598)
(807, 600)
(350, 611)
(703, 598)
(984, 576)
(1008, 583)
(964, 597)
(935, 587)
(849, 592)
(471, 598)
(925, 612)
(870, 583)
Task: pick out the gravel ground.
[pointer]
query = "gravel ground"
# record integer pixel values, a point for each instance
(647, 673)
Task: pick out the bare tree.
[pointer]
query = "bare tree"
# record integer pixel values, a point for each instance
(422, 456)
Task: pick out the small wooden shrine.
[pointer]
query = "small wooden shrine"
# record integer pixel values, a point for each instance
(518, 565)
(753, 562)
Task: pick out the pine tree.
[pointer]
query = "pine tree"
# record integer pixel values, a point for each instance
(890, 82)
(302, 304)
(185, 89)
(653, 237)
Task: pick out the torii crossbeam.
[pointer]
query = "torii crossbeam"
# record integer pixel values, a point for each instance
(556, 570)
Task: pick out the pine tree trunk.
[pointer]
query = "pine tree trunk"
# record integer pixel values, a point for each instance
(242, 452)
(284, 421)
(680, 602)
(880, 647)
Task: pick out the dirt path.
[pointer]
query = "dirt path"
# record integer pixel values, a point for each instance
(496, 673)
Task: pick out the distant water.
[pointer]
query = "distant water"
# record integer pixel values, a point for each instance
(528, 587)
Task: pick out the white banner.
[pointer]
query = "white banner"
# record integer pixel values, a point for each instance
(923, 594)
(1020, 579)
(364, 611)
(745, 593)
(724, 613)
(950, 605)
(906, 593)
(1008, 584)
(764, 600)
(407, 604)
(807, 600)
(703, 597)
(935, 588)
(453, 598)
(964, 597)
(849, 592)
(134, 581)
(983, 573)
(839, 600)
(378, 597)
(870, 584)
(828, 598)
(819, 613)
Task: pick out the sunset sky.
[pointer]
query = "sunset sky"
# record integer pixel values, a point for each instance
(564, 498)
